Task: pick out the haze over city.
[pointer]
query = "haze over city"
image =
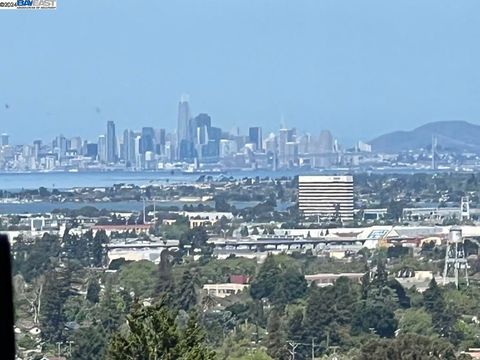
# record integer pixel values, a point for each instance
(359, 69)
(240, 180)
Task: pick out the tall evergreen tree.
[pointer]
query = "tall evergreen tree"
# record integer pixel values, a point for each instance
(319, 314)
(365, 283)
(276, 340)
(186, 294)
(96, 248)
(443, 317)
(93, 291)
(264, 282)
(110, 308)
(295, 328)
(165, 285)
(346, 295)
(290, 285)
(153, 334)
(433, 298)
(55, 293)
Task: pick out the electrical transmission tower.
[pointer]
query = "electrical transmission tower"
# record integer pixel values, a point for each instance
(455, 257)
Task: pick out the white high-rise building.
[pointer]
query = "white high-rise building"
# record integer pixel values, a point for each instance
(137, 152)
(102, 148)
(326, 197)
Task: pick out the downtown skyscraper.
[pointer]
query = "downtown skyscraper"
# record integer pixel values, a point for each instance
(111, 143)
(255, 137)
(129, 147)
(184, 133)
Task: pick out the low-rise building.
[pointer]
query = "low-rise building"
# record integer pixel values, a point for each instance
(328, 279)
(138, 228)
(224, 290)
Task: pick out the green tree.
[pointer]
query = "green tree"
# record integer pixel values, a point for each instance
(196, 238)
(264, 283)
(75, 249)
(278, 282)
(369, 315)
(346, 294)
(365, 284)
(139, 277)
(153, 334)
(89, 343)
(395, 210)
(34, 259)
(255, 355)
(164, 285)
(276, 340)
(93, 291)
(186, 294)
(290, 285)
(193, 342)
(433, 298)
(408, 346)
(55, 293)
(320, 321)
(295, 328)
(112, 308)
(444, 318)
(221, 204)
(96, 248)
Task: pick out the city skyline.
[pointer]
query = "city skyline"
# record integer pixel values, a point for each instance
(358, 69)
(180, 129)
(196, 143)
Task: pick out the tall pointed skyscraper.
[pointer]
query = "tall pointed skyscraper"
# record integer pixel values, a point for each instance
(184, 136)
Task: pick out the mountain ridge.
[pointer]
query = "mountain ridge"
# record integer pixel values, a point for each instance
(454, 135)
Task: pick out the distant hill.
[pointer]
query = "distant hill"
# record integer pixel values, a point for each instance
(451, 135)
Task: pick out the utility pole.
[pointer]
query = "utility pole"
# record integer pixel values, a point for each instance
(313, 348)
(154, 212)
(294, 345)
(434, 147)
(144, 211)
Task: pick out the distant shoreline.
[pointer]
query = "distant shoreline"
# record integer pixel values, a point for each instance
(15, 181)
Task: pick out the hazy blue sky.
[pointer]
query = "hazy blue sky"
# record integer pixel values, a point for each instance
(358, 67)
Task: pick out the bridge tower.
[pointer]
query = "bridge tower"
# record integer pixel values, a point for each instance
(455, 257)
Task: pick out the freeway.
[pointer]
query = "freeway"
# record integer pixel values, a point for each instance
(275, 242)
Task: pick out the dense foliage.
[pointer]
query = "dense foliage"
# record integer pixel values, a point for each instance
(143, 311)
